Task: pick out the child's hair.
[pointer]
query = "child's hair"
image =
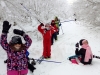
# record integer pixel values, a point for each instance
(13, 48)
(81, 42)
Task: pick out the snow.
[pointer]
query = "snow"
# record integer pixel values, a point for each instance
(70, 69)
(62, 49)
(3, 4)
(70, 2)
(65, 46)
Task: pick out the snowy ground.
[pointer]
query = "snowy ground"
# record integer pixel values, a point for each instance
(62, 49)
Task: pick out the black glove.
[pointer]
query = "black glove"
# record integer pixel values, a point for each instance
(6, 27)
(42, 24)
(77, 45)
(18, 32)
(33, 62)
(31, 67)
(5, 61)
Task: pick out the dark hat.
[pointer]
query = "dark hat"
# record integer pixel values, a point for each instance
(53, 21)
(16, 40)
(81, 41)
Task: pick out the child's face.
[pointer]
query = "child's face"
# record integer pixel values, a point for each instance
(53, 22)
(17, 46)
(85, 42)
(47, 27)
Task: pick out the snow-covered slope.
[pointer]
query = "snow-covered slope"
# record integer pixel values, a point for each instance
(62, 49)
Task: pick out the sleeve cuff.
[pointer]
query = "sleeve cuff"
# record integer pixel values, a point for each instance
(24, 35)
(4, 33)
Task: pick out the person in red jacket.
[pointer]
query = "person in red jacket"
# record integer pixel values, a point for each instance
(46, 32)
(54, 35)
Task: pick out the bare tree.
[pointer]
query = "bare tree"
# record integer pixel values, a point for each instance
(87, 11)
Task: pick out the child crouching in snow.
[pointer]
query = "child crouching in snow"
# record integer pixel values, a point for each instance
(84, 52)
(16, 51)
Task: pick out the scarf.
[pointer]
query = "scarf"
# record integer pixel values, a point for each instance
(88, 54)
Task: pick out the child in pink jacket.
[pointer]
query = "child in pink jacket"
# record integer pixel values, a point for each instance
(16, 51)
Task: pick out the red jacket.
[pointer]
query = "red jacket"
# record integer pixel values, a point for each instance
(54, 25)
(55, 28)
(46, 33)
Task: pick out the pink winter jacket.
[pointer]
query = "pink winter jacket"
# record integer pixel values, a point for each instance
(17, 61)
(13, 72)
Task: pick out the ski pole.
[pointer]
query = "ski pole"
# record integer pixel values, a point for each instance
(30, 12)
(39, 21)
(49, 61)
(25, 8)
(94, 56)
(61, 28)
(69, 21)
